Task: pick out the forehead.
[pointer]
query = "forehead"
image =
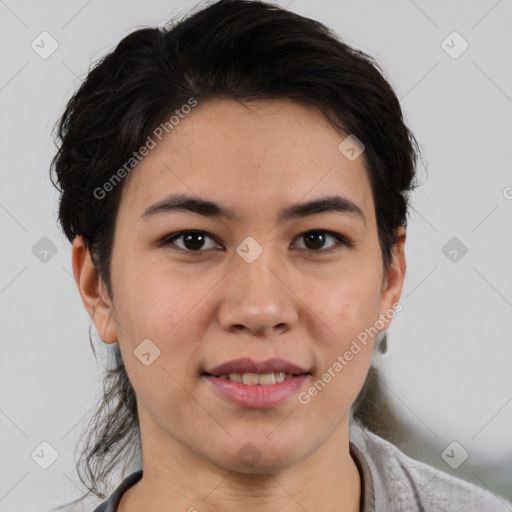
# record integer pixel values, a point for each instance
(253, 156)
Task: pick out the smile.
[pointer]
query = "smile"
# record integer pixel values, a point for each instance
(256, 384)
(254, 393)
(264, 379)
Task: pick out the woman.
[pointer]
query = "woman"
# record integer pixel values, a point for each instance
(239, 359)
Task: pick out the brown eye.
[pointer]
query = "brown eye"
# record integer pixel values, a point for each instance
(315, 240)
(192, 241)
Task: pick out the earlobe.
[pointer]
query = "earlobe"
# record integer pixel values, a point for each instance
(93, 291)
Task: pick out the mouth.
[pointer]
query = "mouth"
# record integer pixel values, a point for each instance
(249, 384)
(263, 379)
(249, 372)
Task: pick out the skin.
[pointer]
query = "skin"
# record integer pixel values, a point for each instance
(294, 301)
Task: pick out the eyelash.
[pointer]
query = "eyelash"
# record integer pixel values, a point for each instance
(168, 240)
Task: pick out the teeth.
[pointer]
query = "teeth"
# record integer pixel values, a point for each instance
(250, 378)
(265, 379)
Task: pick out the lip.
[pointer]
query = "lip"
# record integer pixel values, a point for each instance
(256, 396)
(247, 365)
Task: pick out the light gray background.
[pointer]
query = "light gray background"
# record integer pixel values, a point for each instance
(448, 365)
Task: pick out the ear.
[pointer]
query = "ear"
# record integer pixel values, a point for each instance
(93, 291)
(393, 279)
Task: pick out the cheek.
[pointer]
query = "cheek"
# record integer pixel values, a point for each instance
(157, 302)
(170, 309)
(349, 307)
(163, 308)
(347, 303)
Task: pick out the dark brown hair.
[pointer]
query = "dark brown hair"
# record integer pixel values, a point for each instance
(239, 49)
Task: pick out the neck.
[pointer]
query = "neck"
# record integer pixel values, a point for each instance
(326, 480)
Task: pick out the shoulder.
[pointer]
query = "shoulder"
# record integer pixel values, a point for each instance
(401, 483)
(111, 504)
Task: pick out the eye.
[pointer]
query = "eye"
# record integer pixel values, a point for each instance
(192, 240)
(316, 239)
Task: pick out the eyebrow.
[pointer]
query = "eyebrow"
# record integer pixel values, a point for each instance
(182, 202)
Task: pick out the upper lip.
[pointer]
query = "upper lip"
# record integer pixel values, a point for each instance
(247, 365)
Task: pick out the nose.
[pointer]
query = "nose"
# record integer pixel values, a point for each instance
(257, 297)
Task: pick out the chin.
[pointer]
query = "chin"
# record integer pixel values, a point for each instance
(255, 455)
(261, 466)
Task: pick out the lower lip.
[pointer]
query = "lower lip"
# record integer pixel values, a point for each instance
(257, 396)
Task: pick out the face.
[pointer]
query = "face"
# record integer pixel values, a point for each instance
(247, 287)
